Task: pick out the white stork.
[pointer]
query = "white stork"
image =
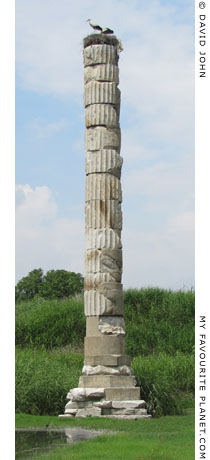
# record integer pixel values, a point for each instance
(106, 30)
(94, 26)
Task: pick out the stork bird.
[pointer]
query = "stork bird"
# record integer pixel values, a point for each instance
(106, 30)
(94, 26)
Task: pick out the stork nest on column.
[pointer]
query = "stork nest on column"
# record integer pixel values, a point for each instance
(100, 39)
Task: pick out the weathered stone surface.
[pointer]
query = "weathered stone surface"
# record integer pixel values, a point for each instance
(106, 381)
(100, 138)
(108, 161)
(122, 393)
(103, 404)
(71, 411)
(112, 325)
(108, 360)
(66, 415)
(103, 187)
(102, 72)
(103, 214)
(103, 238)
(100, 54)
(93, 280)
(96, 304)
(127, 411)
(94, 393)
(101, 93)
(129, 404)
(113, 345)
(101, 115)
(96, 326)
(104, 260)
(77, 394)
(89, 412)
(106, 370)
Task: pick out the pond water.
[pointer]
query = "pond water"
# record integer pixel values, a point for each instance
(29, 443)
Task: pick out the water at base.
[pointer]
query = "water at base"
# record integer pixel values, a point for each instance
(29, 443)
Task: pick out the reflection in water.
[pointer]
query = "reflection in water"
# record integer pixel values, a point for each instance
(29, 443)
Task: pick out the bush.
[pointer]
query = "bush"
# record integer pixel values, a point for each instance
(165, 381)
(43, 380)
(50, 323)
(159, 320)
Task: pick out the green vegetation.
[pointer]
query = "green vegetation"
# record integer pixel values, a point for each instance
(159, 337)
(55, 284)
(158, 320)
(168, 438)
(43, 379)
(50, 323)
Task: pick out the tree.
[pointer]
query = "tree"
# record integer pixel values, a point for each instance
(29, 285)
(55, 284)
(61, 283)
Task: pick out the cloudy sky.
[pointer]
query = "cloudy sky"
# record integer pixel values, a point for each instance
(157, 125)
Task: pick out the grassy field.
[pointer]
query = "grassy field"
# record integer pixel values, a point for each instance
(166, 438)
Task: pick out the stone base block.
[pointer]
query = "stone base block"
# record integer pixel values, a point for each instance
(106, 381)
(114, 345)
(122, 394)
(103, 408)
(108, 360)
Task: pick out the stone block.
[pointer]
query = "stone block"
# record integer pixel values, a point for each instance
(103, 404)
(103, 187)
(113, 325)
(101, 93)
(101, 115)
(108, 161)
(121, 394)
(106, 344)
(108, 325)
(103, 238)
(93, 280)
(96, 304)
(106, 370)
(104, 260)
(94, 393)
(101, 138)
(89, 412)
(100, 54)
(102, 72)
(103, 214)
(108, 360)
(106, 381)
(136, 404)
(77, 394)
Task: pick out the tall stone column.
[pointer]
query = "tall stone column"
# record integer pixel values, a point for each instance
(107, 386)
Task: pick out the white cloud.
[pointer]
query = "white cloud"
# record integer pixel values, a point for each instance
(43, 130)
(164, 259)
(42, 238)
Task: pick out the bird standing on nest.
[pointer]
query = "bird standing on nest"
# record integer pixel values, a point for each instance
(106, 30)
(94, 26)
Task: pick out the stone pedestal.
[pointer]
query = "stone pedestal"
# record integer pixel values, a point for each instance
(107, 386)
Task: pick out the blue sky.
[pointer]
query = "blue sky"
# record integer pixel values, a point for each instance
(157, 123)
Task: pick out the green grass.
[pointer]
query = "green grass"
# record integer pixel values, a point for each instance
(50, 323)
(43, 379)
(166, 438)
